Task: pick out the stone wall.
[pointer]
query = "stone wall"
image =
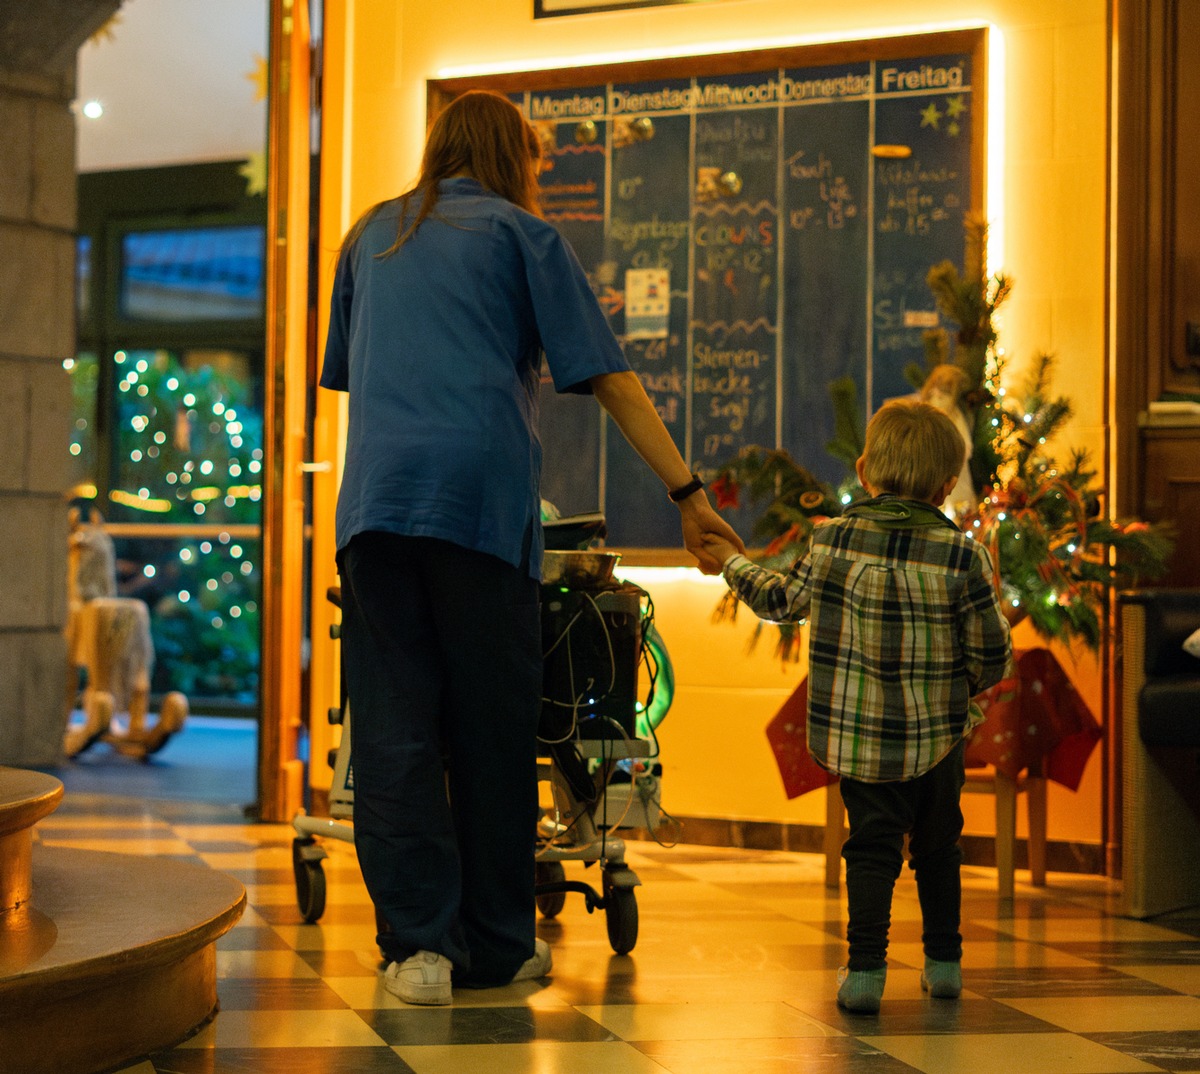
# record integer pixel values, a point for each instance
(38, 44)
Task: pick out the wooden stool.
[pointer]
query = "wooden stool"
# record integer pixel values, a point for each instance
(979, 781)
(835, 834)
(1005, 788)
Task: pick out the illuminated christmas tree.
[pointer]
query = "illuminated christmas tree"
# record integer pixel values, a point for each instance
(187, 450)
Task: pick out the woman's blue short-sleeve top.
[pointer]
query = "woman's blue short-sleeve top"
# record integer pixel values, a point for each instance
(439, 345)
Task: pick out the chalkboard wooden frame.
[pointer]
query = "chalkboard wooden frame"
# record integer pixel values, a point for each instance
(642, 523)
(542, 10)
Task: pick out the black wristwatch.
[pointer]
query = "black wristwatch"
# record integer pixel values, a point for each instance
(684, 491)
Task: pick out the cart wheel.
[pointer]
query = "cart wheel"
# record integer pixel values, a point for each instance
(550, 872)
(621, 917)
(310, 882)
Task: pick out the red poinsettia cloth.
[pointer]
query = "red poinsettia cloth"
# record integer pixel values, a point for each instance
(787, 733)
(1036, 718)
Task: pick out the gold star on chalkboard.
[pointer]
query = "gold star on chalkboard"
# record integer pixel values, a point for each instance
(259, 77)
(955, 107)
(254, 171)
(953, 129)
(930, 116)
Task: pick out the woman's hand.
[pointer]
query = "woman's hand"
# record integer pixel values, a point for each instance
(623, 396)
(706, 535)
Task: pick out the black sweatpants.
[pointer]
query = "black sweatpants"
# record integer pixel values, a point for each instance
(929, 811)
(443, 664)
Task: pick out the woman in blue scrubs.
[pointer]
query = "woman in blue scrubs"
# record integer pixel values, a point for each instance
(444, 301)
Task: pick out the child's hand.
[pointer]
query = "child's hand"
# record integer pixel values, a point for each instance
(719, 548)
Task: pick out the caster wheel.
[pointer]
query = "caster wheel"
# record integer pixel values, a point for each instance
(550, 872)
(621, 917)
(310, 882)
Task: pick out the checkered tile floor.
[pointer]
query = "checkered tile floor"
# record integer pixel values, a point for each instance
(733, 973)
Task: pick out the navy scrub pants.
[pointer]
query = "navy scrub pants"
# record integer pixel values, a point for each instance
(442, 656)
(928, 809)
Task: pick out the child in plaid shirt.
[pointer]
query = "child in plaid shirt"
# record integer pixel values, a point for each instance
(905, 628)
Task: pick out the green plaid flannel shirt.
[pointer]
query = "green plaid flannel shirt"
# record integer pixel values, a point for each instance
(904, 629)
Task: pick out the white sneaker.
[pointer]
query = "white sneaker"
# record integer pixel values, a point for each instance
(423, 979)
(538, 965)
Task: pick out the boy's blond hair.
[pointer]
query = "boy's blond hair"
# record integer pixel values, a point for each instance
(912, 449)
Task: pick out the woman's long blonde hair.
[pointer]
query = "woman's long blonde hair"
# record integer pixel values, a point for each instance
(481, 135)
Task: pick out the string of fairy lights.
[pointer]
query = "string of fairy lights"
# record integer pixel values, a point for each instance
(187, 450)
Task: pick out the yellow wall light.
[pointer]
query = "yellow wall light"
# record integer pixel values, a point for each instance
(139, 503)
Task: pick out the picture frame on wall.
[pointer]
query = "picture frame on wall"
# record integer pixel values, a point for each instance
(545, 9)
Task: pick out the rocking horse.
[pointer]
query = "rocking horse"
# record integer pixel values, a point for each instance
(108, 638)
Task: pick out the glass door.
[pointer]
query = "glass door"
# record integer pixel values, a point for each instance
(167, 439)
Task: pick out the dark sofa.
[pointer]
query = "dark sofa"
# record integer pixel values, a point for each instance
(1160, 737)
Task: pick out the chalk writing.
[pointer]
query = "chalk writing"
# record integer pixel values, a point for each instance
(749, 248)
(817, 178)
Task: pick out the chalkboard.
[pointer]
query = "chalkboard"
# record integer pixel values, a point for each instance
(753, 234)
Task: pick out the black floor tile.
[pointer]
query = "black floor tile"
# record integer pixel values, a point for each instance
(277, 993)
(1135, 952)
(483, 1025)
(797, 1055)
(280, 1061)
(929, 1017)
(1047, 981)
(252, 938)
(1178, 1051)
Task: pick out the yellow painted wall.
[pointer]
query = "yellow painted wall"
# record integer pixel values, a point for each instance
(1050, 223)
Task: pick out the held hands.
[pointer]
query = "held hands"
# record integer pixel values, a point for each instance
(719, 548)
(625, 399)
(706, 535)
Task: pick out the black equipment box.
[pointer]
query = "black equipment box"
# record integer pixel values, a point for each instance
(591, 647)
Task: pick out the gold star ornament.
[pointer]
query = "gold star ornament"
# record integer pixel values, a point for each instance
(254, 171)
(259, 77)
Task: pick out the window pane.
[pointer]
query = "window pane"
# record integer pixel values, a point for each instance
(84, 370)
(192, 274)
(187, 437)
(203, 594)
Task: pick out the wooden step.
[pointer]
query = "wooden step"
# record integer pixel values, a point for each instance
(114, 957)
(25, 797)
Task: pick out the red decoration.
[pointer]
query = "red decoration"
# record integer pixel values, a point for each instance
(783, 540)
(726, 492)
(1036, 718)
(787, 734)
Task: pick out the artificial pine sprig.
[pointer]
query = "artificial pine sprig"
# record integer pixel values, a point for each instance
(1057, 556)
(795, 501)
